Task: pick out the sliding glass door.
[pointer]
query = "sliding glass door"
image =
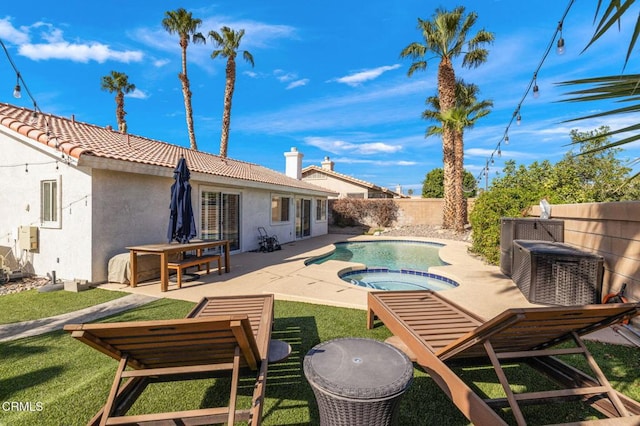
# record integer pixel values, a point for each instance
(303, 218)
(220, 215)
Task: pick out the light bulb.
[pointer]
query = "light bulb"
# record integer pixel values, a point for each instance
(518, 120)
(536, 91)
(506, 139)
(16, 92)
(560, 49)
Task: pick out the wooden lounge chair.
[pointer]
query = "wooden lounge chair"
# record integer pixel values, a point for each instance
(440, 333)
(221, 336)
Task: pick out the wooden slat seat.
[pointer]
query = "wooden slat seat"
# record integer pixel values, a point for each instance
(198, 261)
(438, 332)
(230, 342)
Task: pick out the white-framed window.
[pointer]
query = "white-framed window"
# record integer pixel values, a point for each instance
(50, 203)
(321, 209)
(280, 208)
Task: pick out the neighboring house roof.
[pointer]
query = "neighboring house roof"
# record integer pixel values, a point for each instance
(309, 169)
(86, 142)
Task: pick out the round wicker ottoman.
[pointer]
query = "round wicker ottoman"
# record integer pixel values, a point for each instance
(357, 381)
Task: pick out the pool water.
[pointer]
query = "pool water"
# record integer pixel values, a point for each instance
(385, 279)
(391, 264)
(392, 254)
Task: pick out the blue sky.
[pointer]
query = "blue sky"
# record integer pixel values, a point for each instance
(327, 79)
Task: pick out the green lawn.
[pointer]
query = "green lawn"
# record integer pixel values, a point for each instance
(71, 380)
(31, 305)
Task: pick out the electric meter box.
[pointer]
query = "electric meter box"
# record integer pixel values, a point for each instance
(28, 238)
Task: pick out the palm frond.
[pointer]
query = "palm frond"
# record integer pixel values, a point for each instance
(610, 16)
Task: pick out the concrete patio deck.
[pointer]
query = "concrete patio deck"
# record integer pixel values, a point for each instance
(483, 289)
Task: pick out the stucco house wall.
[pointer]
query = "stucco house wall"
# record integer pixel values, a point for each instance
(133, 209)
(128, 209)
(59, 244)
(337, 185)
(344, 185)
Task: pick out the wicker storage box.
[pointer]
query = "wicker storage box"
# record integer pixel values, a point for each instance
(556, 273)
(524, 228)
(357, 381)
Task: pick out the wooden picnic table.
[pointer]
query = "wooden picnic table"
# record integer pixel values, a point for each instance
(165, 249)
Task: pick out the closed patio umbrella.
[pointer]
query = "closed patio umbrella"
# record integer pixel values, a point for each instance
(182, 225)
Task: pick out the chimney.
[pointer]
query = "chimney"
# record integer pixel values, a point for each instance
(293, 163)
(327, 164)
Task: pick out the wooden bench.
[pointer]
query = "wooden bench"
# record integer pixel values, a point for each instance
(195, 261)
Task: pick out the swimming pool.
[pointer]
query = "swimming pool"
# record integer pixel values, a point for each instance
(386, 279)
(390, 264)
(390, 254)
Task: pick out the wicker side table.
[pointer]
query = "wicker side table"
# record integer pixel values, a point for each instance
(357, 381)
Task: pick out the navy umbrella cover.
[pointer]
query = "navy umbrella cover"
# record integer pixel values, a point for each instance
(182, 225)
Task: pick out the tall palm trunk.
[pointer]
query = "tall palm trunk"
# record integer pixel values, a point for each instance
(460, 218)
(226, 113)
(447, 95)
(122, 124)
(186, 91)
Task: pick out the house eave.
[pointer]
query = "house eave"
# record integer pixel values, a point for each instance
(52, 151)
(92, 161)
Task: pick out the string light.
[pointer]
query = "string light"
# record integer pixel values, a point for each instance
(536, 90)
(16, 90)
(560, 49)
(532, 87)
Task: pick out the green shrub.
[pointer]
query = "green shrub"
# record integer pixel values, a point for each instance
(485, 217)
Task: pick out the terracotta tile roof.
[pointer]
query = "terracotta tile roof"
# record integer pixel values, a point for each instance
(79, 140)
(356, 181)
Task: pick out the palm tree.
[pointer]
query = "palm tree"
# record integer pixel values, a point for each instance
(118, 82)
(181, 22)
(228, 42)
(446, 37)
(466, 111)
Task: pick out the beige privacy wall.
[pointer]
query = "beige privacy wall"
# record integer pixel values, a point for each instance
(611, 230)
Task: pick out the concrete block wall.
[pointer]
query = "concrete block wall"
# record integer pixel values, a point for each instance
(419, 211)
(611, 230)
(422, 211)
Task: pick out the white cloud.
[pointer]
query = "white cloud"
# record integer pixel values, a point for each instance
(159, 63)
(11, 34)
(298, 83)
(381, 163)
(360, 77)
(283, 76)
(137, 94)
(257, 35)
(78, 52)
(55, 46)
(337, 146)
